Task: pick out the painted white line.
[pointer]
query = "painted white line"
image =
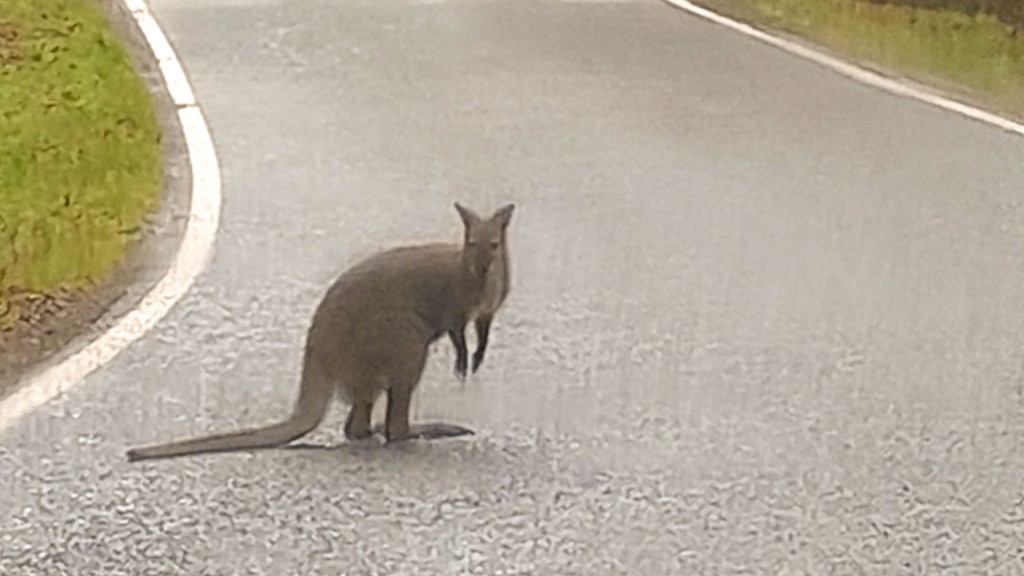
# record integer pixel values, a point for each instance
(170, 68)
(860, 74)
(193, 253)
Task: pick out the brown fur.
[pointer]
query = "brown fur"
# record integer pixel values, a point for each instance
(371, 332)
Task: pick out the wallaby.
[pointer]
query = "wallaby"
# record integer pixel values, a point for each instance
(371, 332)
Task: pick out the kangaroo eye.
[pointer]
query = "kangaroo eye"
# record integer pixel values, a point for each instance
(494, 245)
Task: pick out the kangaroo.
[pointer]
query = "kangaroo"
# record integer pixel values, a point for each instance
(371, 332)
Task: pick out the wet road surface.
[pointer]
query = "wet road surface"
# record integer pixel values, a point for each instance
(764, 320)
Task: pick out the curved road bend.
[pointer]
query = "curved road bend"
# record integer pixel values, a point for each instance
(765, 321)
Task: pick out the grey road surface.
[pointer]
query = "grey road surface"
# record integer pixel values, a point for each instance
(765, 320)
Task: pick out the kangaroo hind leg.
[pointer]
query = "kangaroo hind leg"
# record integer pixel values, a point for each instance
(357, 425)
(397, 427)
(402, 381)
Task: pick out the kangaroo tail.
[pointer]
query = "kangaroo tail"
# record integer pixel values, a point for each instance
(314, 396)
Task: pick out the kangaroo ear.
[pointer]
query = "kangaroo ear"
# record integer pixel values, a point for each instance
(503, 215)
(469, 218)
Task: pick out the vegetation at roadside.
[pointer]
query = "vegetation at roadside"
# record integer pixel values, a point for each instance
(972, 47)
(80, 161)
(1009, 11)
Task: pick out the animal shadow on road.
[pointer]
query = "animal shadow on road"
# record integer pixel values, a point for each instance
(482, 453)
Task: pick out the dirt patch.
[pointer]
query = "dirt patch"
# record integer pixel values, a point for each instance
(9, 51)
(48, 329)
(46, 324)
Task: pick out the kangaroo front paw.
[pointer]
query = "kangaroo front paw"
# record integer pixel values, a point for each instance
(478, 359)
(460, 367)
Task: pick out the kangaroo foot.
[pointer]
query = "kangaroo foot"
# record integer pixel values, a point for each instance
(438, 430)
(307, 446)
(431, 431)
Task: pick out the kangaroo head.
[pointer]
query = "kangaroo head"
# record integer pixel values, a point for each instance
(484, 238)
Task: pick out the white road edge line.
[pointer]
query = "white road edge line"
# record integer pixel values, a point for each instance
(845, 68)
(191, 258)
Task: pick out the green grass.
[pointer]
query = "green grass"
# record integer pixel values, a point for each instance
(974, 55)
(80, 161)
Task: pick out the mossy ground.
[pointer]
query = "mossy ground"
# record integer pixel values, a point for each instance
(80, 157)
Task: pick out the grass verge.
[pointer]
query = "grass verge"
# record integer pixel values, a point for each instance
(974, 56)
(80, 158)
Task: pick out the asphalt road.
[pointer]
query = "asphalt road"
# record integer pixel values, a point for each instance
(765, 320)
